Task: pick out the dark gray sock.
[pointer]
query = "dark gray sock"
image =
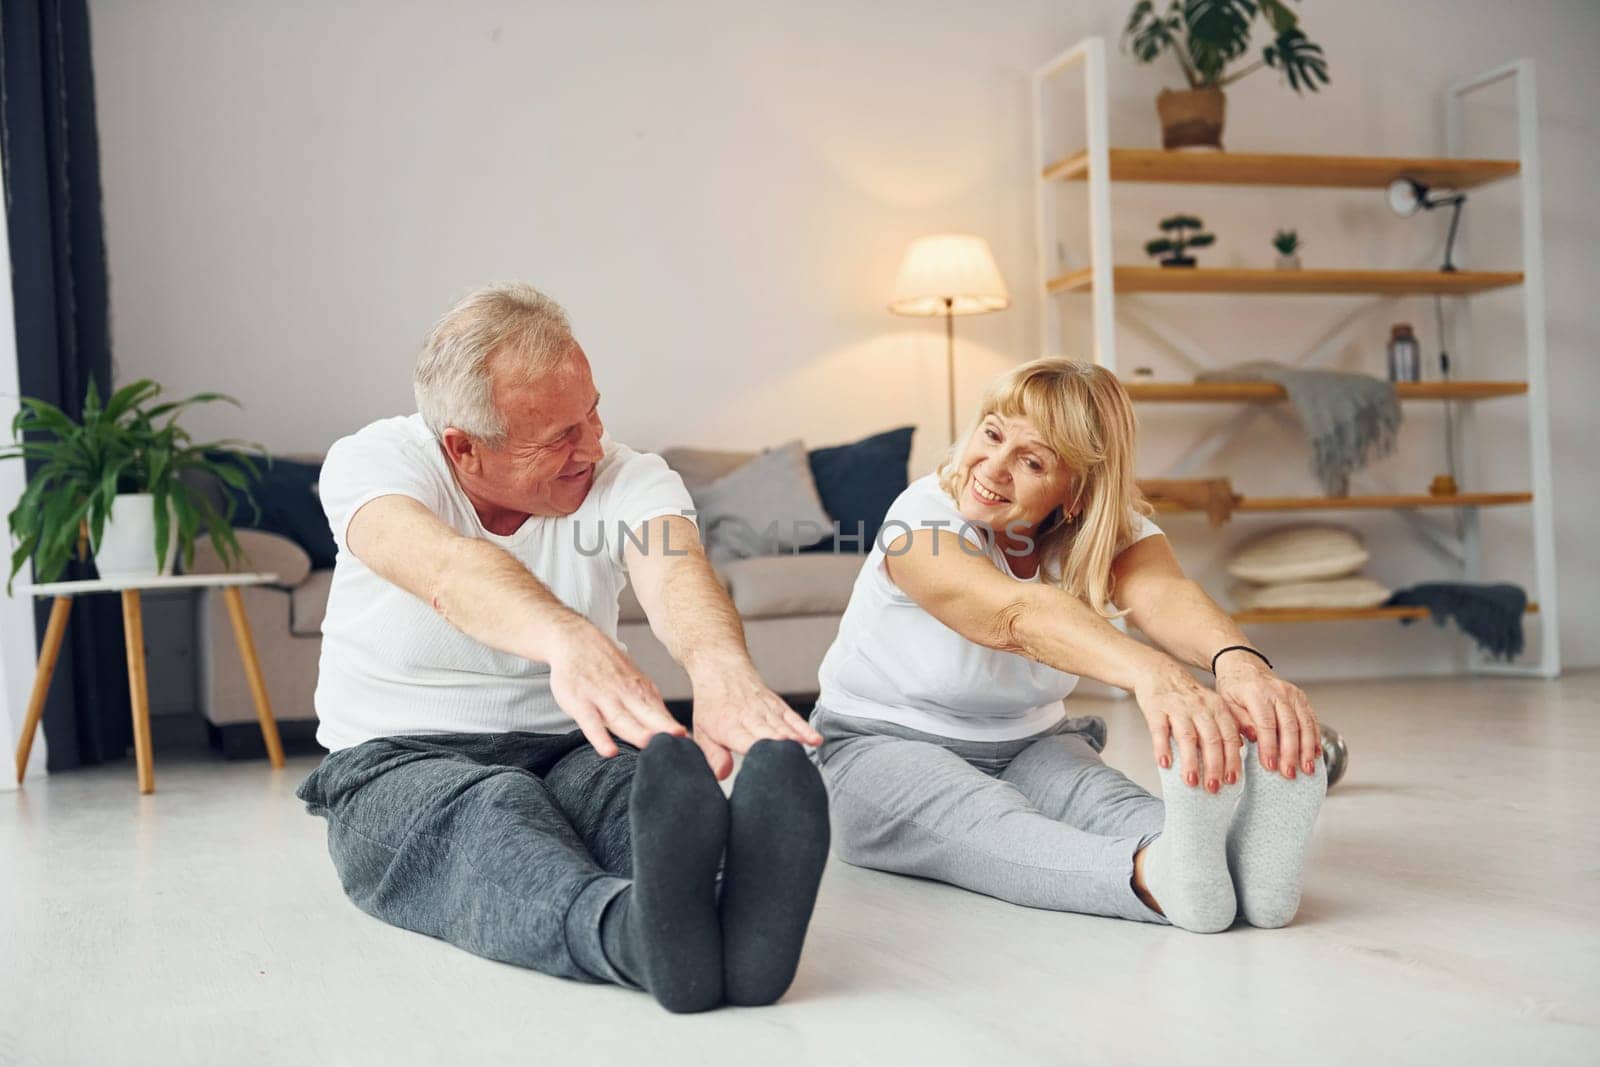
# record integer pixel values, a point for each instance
(777, 847)
(663, 931)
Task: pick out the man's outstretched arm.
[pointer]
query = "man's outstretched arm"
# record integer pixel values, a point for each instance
(488, 594)
(691, 614)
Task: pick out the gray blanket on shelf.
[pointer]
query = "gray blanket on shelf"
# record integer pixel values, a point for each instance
(1351, 419)
(1491, 613)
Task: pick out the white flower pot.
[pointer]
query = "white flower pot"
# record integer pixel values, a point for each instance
(127, 547)
(1289, 262)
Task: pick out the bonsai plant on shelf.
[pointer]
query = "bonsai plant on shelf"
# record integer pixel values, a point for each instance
(1205, 36)
(1287, 242)
(1182, 232)
(115, 478)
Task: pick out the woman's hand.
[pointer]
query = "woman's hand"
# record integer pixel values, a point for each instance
(1271, 712)
(1177, 707)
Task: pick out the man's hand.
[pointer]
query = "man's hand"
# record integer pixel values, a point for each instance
(596, 683)
(733, 709)
(1271, 712)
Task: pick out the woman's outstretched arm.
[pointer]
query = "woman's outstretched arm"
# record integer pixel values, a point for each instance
(1179, 616)
(968, 594)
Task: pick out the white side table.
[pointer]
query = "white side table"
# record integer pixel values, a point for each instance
(133, 631)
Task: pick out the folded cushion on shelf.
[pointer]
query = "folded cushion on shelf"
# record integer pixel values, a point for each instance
(1335, 593)
(1299, 554)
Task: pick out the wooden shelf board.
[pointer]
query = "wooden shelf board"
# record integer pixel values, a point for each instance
(1359, 503)
(1241, 280)
(1255, 392)
(1258, 168)
(1336, 614)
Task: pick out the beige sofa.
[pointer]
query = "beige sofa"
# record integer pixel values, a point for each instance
(791, 607)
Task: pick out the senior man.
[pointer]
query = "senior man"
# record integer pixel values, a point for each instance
(472, 622)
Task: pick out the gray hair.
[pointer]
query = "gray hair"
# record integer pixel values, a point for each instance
(453, 382)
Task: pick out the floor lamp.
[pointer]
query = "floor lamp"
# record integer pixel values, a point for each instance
(949, 274)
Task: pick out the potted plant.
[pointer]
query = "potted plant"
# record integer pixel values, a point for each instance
(116, 479)
(1287, 242)
(1182, 232)
(1205, 36)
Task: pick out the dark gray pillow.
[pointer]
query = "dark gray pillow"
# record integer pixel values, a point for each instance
(766, 507)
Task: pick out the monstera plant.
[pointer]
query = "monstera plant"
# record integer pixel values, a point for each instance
(121, 478)
(1210, 39)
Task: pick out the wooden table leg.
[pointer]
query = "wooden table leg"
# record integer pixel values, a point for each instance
(252, 672)
(138, 688)
(48, 653)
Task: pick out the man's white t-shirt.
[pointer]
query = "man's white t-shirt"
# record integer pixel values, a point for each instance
(895, 662)
(391, 664)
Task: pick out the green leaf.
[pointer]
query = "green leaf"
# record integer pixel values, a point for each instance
(1278, 15)
(19, 556)
(130, 396)
(163, 520)
(1200, 240)
(1300, 61)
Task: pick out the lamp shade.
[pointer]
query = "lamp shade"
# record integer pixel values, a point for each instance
(949, 267)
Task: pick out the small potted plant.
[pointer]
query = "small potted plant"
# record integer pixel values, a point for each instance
(1205, 36)
(116, 479)
(1181, 233)
(1287, 242)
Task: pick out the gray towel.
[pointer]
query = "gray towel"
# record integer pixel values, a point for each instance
(1351, 419)
(1489, 613)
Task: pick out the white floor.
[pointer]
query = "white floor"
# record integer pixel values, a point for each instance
(1451, 916)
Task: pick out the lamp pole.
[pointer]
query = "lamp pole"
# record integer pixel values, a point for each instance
(950, 360)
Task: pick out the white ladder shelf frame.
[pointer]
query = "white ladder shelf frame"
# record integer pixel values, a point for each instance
(1088, 56)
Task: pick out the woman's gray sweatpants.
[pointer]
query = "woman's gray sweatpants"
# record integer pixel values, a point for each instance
(1040, 821)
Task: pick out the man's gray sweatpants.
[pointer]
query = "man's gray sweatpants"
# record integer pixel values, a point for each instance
(508, 845)
(1040, 821)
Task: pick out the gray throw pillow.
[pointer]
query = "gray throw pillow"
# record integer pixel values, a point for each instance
(699, 467)
(766, 507)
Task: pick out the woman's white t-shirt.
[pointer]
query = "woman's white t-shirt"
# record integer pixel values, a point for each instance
(895, 662)
(391, 664)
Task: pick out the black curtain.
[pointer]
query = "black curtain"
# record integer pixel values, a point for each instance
(58, 283)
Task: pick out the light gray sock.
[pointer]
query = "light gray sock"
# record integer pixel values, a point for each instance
(1267, 845)
(1186, 868)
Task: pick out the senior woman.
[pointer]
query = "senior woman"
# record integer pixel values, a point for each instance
(948, 751)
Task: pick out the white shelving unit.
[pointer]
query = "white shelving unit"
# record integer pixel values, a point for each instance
(1099, 166)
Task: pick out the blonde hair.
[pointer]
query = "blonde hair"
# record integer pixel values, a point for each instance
(1084, 415)
(453, 380)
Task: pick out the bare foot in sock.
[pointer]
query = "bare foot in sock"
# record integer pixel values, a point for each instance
(663, 931)
(777, 847)
(1186, 868)
(1267, 844)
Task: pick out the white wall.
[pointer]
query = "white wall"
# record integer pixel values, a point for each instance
(720, 193)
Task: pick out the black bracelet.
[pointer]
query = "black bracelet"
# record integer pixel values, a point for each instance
(1240, 648)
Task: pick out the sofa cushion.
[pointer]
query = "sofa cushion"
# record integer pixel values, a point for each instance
(857, 483)
(1299, 554)
(814, 583)
(765, 506)
(264, 552)
(699, 467)
(308, 603)
(287, 498)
